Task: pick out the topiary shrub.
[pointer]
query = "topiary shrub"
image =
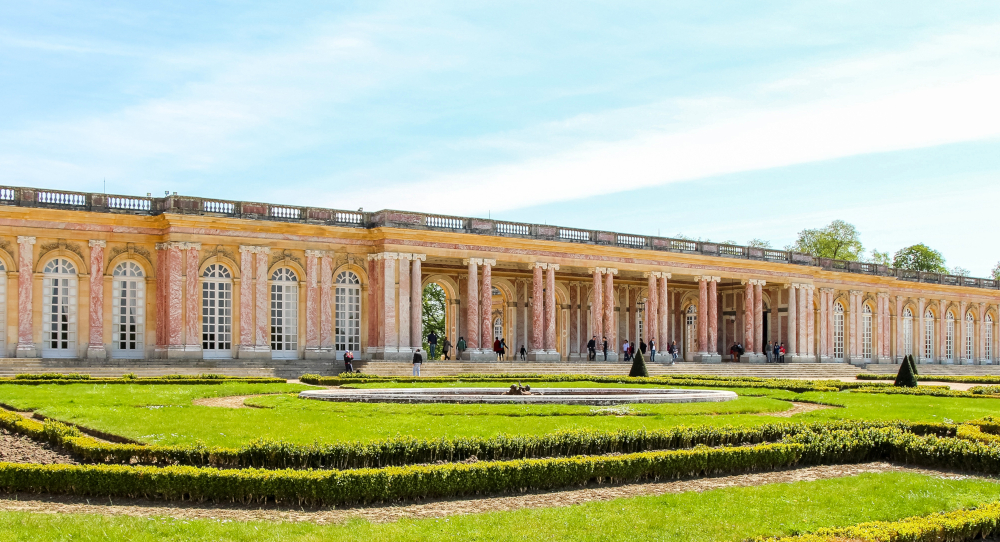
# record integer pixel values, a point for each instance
(638, 366)
(905, 378)
(913, 364)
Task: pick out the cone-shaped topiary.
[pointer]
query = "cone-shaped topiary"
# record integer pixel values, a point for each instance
(638, 366)
(913, 364)
(905, 378)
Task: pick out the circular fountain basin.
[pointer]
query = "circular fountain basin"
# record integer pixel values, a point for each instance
(539, 396)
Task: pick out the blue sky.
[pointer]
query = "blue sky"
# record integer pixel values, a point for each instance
(719, 120)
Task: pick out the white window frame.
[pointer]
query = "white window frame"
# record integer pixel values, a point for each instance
(59, 280)
(691, 328)
(217, 312)
(908, 332)
(988, 339)
(970, 337)
(284, 316)
(929, 335)
(949, 337)
(866, 331)
(838, 331)
(347, 330)
(128, 311)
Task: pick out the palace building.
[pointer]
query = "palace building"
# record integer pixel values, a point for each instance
(99, 277)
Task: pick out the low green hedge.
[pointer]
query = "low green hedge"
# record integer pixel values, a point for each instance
(977, 379)
(56, 378)
(957, 526)
(936, 391)
(407, 450)
(334, 487)
(985, 390)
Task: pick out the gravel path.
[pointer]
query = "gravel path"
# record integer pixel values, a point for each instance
(797, 408)
(435, 508)
(15, 448)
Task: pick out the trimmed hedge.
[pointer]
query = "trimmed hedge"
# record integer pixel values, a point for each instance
(959, 525)
(978, 379)
(985, 390)
(936, 391)
(272, 454)
(56, 378)
(333, 487)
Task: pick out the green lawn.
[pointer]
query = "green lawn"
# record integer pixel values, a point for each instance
(730, 514)
(164, 414)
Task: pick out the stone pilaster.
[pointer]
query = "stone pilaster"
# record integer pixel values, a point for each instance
(95, 346)
(25, 319)
(486, 309)
(417, 302)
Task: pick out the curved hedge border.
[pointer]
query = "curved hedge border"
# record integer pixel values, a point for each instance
(978, 379)
(960, 525)
(333, 487)
(57, 378)
(936, 391)
(409, 450)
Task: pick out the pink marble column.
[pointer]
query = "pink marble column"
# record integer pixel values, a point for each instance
(405, 283)
(792, 318)
(312, 299)
(960, 335)
(609, 309)
(597, 305)
(373, 307)
(774, 330)
(824, 320)
(574, 317)
(758, 316)
(981, 343)
(537, 308)
(800, 313)
(900, 346)
(662, 313)
(192, 298)
(25, 318)
(472, 304)
(852, 325)
(486, 305)
(550, 308)
(175, 296)
(942, 330)
(703, 314)
(246, 296)
(810, 323)
(713, 316)
(920, 335)
(748, 314)
(417, 302)
(160, 306)
(389, 329)
(262, 331)
(380, 301)
(652, 307)
(326, 308)
(96, 347)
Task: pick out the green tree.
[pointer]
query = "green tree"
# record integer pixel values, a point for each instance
(838, 240)
(995, 272)
(919, 257)
(638, 365)
(959, 271)
(758, 243)
(905, 377)
(880, 258)
(434, 300)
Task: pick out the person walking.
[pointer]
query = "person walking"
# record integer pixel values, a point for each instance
(461, 346)
(605, 349)
(503, 349)
(446, 348)
(592, 348)
(673, 352)
(496, 348)
(625, 351)
(432, 341)
(768, 350)
(418, 359)
(777, 352)
(652, 350)
(524, 353)
(348, 362)
(782, 352)
(733, 355)
(642, 346)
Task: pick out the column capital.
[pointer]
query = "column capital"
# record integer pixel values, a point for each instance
(247, 248)
(315, 253)
(98, 243)
(539, 265)
(827, 290)
(421, 257)
(715, 279)
(488, 262)
(25, 240)
(753, 282)
(553, 266)
(856, 292)
(599, 270)
(474, 261)
(405, 256)
(609, 270)
(188, 246)
(882, 295)
(647, 274)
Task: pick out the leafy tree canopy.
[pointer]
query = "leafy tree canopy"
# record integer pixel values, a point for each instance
(995, 272)
(434, 300)
(838, 240)
(880, 258)
(759, 243)
(919, 258)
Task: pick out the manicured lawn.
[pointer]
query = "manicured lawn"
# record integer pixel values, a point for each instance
(165, 415)
(730, 514)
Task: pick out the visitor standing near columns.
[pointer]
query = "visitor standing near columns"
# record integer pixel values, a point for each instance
(652, 350)
(417, 361)
(592, 348)
(605, 349)
(432, 342)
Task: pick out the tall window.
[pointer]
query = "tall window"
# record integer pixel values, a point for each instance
(988, 339)
(498, 328)
(866, 331)
(3, 307)
(284, 314)
(908, 332)
(59, 284)
(949, 337)
(691, 321)
(128, 309)
(838, 331)
(929, 335)
(348, 335)
(217, 312)
(970, 336)
(640, 317)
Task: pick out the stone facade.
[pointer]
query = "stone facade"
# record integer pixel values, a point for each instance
(97, 276)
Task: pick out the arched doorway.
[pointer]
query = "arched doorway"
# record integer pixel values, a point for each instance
(59, 291)
(347, 330)
(284, 314)
(690, 332)
(128, 299)
(217, 312)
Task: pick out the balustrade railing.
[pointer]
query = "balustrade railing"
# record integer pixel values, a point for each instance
(215, 206)
(61, 198)
(574, 235)
(8, 194)
(347, 217)
(731, 250)
(285, 212)
(683, 245)
(445, 222)
(129, 204)
(775, 255)
(631, 240)
(510, 228)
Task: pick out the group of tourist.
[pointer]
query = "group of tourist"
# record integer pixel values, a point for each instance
(775, 352)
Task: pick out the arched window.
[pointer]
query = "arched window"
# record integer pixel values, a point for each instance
(691, 328)
(3, 308)
(988, 339)
(949, 337)
(128, 310)
(348, 329)
(284, 314)
(970, 336)
(929, 335)
(498, 328)
(908, 332)
(866, 331)
(838, 331)
(640, 317)
(217, 312)
(59, 283)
